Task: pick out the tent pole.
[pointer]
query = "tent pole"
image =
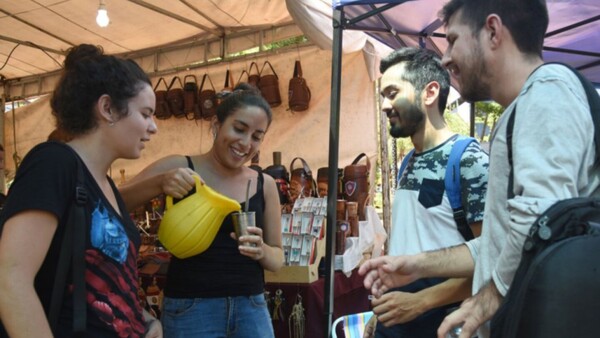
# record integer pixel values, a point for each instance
(334, 131)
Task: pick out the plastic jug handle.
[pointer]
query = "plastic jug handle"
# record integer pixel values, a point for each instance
(169, 199)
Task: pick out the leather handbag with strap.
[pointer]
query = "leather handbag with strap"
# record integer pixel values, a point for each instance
(227, 87)
(175, 97)
(302, 183)
(190, 97)
(269, 86)
(208, 99)
(253, 78)
(356, 183)
(299, 93)
(162, 110)
(240, 79)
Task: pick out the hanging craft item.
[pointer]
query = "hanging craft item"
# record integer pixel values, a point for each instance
(242, 75)
(161, 110)
(227, 88)
(278, 314)
(253, 78)
(190, 97)
(297, 319)
(208, 99)
(269, 86)
(302, 183)
(356, 183)
(299, 93)
(175, 97)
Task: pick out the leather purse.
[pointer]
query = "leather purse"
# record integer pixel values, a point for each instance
(190, 97)
(282, 178)
(323, 182)
(162, 110)
(302, 183)
(207, 98)
(227, 87)
(175, 97)
(253, 78)
(299, 93)
(269, 86)
(241, 76)
(356, 183)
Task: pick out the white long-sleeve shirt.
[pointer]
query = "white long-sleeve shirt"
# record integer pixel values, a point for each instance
(553, 158)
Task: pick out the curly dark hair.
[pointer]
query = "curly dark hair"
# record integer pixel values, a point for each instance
(88, 74)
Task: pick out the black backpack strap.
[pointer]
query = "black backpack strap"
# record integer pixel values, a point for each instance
(509, 134)
(72, 253)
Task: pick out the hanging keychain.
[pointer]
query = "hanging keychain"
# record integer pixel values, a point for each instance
(267, 294)
(278, 309)
(297, 319)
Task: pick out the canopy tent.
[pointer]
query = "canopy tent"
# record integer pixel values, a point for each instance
(572, 37)
(177, 38)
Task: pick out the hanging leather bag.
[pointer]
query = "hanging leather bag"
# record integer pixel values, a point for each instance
(242, 75)
(175, 97)
(299, 93)
(208, 99)
(190, 97)
(269, 86)
(162, 110)
(302, 183)
(356, 183)
(253, 78)
(227, 87)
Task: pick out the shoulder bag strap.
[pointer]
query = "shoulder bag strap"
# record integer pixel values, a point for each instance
(242, 75)
(255, 67)
(297, 69)
(270, 66)
(72, 252)
(162, 79)
(453, 188)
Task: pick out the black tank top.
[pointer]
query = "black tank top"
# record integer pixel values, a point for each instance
(220, 271)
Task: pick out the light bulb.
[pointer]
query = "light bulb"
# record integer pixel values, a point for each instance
(102, 18)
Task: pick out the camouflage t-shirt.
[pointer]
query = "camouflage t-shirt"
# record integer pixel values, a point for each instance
(421, 214)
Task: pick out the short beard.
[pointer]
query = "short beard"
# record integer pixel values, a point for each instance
(412, 117)
(476, 88)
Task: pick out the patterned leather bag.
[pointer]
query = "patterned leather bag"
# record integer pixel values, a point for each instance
(299, 93)
(269, 86)
(227, 87)
(356, 183)
(208, 99)
(162, 110)
(253, 78)
(175, 97)
(302, 183)
(190, 97)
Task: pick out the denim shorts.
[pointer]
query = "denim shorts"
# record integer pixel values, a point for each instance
(244, 316)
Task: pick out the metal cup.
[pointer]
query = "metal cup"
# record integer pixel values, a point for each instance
(241, 222)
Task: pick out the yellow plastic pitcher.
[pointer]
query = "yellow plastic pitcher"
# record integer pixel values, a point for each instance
(189, 227)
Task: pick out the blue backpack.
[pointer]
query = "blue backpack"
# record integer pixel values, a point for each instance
(452, 183)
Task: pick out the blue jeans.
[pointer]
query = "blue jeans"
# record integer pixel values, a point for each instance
(244, 316)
